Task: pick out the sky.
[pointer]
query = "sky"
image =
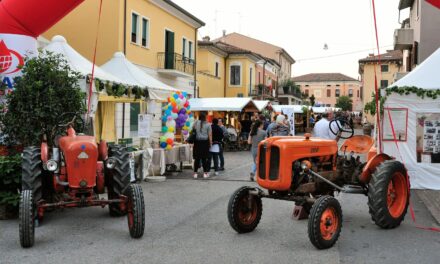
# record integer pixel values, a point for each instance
(303, 27)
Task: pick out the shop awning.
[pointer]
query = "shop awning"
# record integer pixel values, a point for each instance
(77, 62)
(296, 108)
(127, 71)
(261, 104)
(232, 104)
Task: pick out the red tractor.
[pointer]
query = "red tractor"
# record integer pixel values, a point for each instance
(73, 173)
(308, 171)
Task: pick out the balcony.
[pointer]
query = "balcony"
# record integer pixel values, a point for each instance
(261, 92)
(175, 64)
(289, 91)
(403, 38)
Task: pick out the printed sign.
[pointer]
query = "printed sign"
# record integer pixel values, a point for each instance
(144, 125)
(428, 137)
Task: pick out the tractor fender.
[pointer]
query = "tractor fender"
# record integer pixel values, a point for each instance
(44, 150)
(371, 165)
(102, 150)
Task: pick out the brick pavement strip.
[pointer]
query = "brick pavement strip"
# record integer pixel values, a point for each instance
(431, 199)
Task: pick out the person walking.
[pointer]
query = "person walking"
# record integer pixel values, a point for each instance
(217, 138)
(280, 128)
(271, 125)
(202, 144)
(220, 155)
(256, 136)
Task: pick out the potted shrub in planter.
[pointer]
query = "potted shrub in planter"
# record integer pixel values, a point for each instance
(10, 184)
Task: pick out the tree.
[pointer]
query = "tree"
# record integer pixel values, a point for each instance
(47, 89)
(345, 103)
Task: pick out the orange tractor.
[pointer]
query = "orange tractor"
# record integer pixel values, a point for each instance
(308, 171)
(73, 173)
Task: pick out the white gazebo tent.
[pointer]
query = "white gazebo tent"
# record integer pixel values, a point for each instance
(106, 129)
(228, 104)
(121, 67)
(296, 108)
(261, 104)
(416, 122)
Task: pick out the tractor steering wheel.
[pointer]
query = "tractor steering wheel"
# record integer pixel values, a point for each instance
(75, 119)
(342, 125)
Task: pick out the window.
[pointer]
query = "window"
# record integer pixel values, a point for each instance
(383, 83)
(329, 93)
(190, 51)
(384, 68)
(317, 93)
(216, 69)
(306, 92)
(337, 92)
(239, 95)
(235, 75)
(328, 85)
(145, 32)
(134, 112)
(350, 92)
(134, 27)
(358, 93)
(183, 47)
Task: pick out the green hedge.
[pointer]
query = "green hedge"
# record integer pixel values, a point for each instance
(10, 180)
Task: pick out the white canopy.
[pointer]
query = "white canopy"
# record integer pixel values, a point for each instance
(426, 75)
(319, 109)
(125, 70)
(234, 104)
(77, 62)
(416, 122)
(296, 108)
(261, 104)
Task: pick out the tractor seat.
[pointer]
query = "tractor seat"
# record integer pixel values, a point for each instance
(358, 144)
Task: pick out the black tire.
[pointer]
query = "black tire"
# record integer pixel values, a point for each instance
(378, 194)
(328, 209)
(136, 211)
(118, 178)
(27, 219)
(241, 218)
(31, 174)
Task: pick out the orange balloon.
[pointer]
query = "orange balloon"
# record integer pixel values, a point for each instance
(170, 141)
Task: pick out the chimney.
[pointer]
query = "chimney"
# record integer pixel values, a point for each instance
(224, 32)
(206, 38)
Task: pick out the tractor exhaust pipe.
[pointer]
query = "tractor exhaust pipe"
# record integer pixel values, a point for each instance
(62, 183)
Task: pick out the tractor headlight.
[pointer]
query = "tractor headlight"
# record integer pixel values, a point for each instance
(52, 165)
(306, 165)
(110, 163)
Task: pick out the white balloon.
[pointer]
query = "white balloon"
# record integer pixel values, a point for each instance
(169, 135)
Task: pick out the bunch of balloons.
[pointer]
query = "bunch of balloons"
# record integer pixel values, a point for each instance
(177, 114)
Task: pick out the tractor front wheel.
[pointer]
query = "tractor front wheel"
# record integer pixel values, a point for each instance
(388, 194)
(118, 178)
(27, 219)
(135, 211)
(31, 174)
(325, 222)
(244, 210)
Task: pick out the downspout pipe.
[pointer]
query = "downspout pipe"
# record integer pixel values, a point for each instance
(195, 63)
(124, 38)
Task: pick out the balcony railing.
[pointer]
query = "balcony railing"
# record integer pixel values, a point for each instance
(289, 91)
(175, 61)
(403, 38)
(261, 92)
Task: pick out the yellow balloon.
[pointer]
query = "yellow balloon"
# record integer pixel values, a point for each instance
(169, 147)
(170, 129)
(188, 112)
(172, 99)
(185, 128)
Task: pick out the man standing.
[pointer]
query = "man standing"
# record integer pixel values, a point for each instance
(271, 125)
(322, 127)
(225, 134)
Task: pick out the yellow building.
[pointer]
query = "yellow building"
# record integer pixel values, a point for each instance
(227, 71)
(391, 64)
(158, 36)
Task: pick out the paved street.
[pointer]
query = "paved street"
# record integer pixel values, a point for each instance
(186, 222)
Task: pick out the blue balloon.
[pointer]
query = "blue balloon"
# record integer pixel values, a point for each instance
(164, 129)
(176, 96)
(188, 107)
(185, 94)
(170, 107)
(168, 112)
(187, 123)
(163, 145)
(164, 118)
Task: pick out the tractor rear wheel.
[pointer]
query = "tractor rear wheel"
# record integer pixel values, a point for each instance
(325, 222)
(135, 211)
(27, 219)
(31, 174)
(388, 194)
(244, 210)
(118, 178)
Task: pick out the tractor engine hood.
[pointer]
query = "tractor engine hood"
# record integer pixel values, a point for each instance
(81, 155)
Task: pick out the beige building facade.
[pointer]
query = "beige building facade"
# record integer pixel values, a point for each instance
(328, 87)
(390, 66)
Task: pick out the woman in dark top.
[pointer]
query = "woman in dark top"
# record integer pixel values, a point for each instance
(256, 136)
(217, 138)
(201, 145)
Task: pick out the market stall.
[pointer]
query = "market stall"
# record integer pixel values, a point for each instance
(411, 123)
